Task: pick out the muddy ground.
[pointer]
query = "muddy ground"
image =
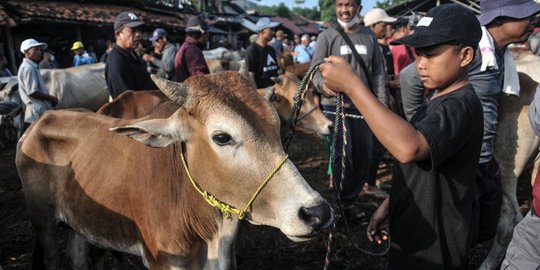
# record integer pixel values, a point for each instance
(258, 248)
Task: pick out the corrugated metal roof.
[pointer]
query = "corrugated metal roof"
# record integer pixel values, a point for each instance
(27, 10)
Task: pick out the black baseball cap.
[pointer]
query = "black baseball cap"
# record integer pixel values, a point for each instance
(127, 19)
(444, 24)
(197, 24)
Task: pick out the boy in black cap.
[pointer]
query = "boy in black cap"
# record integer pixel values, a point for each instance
(430, 209)
(124, 69)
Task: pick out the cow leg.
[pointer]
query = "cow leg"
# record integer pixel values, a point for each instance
(46, 248)
(78, 251)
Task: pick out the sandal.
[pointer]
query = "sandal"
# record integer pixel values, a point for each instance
(374, 191)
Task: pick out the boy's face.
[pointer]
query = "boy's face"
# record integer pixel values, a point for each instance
(439, 66)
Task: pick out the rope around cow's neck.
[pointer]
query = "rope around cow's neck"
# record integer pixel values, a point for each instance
(226, 209)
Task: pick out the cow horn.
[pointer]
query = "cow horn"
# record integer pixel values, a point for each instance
(175, 91)
(270, 93)
(244, 69)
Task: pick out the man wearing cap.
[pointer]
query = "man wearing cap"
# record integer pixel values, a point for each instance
(376, 19)
(124, 69)
(166, 50)
(81, 57)
(503, 22)
(261, 58)
(359, 149)
(32, 89)
(189, 60)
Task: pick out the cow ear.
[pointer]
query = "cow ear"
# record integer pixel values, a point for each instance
(157, 133)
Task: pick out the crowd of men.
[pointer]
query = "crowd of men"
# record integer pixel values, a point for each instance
(445, 72)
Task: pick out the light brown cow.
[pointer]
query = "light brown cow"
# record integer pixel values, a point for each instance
(311, 119)
(516, 146)
(92, 173)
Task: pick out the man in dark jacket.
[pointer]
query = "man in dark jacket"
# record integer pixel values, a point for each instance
(124, 69)
(189, 60)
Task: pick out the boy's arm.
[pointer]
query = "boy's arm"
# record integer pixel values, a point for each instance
(534, 112)
(399, 137)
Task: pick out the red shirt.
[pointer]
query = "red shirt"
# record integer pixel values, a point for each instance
(189, 60)
(536, 193)
(401, 57)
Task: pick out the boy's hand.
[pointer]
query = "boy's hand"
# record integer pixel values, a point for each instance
(379, 220)
(337, 74)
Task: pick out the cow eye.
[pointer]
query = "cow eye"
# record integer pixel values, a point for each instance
(222, 138)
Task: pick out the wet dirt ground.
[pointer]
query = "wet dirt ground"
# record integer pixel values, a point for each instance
(258, 247)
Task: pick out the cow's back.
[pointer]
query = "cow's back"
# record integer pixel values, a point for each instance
(135, 104)
(78, 87)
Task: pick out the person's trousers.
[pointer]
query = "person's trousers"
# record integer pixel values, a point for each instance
(355, 156)
(489, 199)
(524, 250)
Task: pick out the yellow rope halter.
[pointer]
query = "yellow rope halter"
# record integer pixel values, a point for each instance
(226, 209)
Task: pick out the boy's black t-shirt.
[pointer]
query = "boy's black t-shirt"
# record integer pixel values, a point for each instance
(262, 62)
(432, 210)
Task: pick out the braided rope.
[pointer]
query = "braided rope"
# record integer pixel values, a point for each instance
(292, 120)
(226, 209)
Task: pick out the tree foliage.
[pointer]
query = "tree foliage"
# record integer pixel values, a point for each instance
(283, 11)
(328, 13)
(311, 13)
(384, 4)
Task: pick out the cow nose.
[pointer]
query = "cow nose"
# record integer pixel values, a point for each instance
(319, 216)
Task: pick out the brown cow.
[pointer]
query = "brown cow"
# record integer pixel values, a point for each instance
(311, 118)
(91, 172)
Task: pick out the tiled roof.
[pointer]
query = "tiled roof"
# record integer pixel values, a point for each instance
(309, 28)
(87, 13)
(5, 19)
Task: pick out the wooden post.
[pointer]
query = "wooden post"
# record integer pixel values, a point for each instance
(11, 48)
(79, 33)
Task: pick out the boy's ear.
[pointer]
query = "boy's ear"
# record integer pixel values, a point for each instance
(466, 56)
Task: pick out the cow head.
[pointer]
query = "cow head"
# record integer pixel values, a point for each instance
(311, 119)
(225, 124)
